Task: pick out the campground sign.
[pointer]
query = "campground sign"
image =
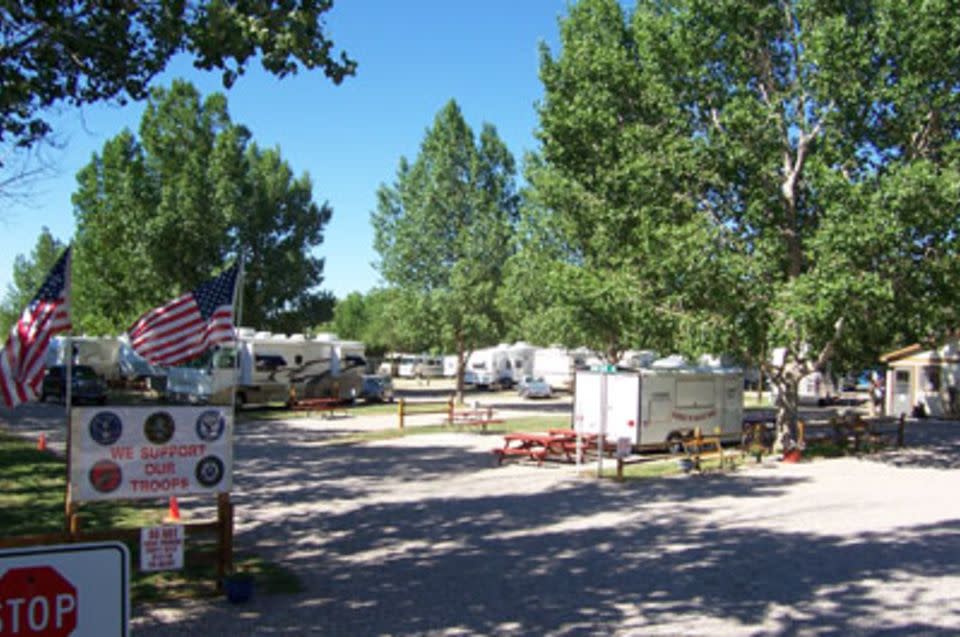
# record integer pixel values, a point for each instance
(73, 589)
(149, 452)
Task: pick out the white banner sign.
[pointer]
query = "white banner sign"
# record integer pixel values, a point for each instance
(161, 548)
(149, 452)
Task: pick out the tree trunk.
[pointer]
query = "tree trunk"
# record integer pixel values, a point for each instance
(787, 383)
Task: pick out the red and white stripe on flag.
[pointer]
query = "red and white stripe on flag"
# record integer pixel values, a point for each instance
(22, 360)
(186, 326)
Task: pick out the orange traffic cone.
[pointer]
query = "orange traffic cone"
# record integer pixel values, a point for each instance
(42, 442)
(174, 515)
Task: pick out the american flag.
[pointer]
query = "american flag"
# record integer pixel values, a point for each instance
(22, 357)
(185, 327)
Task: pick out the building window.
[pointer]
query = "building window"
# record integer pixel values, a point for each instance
(931, 376)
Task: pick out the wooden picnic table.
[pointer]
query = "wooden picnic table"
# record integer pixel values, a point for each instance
(554, 443)
(474, 418)
(326, 406)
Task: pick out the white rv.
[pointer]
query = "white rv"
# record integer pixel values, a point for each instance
(419, 366)
(111, 357)
(450, 363)
(269, 367)
(520, 358)
(490, 367)
(558, 365)
(660, 405)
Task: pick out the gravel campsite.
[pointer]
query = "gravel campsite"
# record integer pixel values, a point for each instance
(423, 535)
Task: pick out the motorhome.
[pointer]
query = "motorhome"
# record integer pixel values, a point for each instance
(272, 368)
(660, 405)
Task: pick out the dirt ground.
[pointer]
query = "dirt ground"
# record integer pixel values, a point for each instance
(424, 535)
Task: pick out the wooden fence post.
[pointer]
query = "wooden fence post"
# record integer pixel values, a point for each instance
(450, 411)
(900, 425)
(224, 537)
(400, 404)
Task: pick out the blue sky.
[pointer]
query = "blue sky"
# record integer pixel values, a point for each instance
(413, 57)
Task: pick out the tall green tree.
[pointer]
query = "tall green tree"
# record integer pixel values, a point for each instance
(29, 272)
(444, 231)
(158, 215)
(84, 52)
(824, 142)
(603, 226)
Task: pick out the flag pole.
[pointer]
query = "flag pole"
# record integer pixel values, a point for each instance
(238, 295)
(224, 505)
(68, 505)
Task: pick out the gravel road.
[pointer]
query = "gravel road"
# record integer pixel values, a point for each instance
(423, 535)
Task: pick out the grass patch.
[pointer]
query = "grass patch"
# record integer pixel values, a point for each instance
(530, 423)
(32, 487)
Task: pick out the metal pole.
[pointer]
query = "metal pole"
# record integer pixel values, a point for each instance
(68, 506)
(603, 423)
(238, 294)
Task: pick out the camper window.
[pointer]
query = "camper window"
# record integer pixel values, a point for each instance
(269, 362)
(356, 361)
(932, 378)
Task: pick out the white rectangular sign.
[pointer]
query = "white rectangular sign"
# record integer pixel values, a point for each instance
(73, 589)
(150, 452)
(161, 548)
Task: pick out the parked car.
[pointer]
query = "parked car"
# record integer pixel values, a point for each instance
(534, 387)
(87, 387)
(376, 388)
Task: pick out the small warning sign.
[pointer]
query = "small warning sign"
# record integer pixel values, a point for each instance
(161, 548)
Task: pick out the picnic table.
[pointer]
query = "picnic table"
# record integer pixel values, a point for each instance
(554, 443)
(476, 417)
(326, 406)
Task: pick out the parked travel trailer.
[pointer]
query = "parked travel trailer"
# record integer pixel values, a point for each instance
(450, 365)
(419, 366)
(659, 405)
(269, 367)
(557, 365)
(490, 367)
(520, 358)
(389, 365)
(638, 358)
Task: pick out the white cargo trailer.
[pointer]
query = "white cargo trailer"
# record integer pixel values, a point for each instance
(658, 406)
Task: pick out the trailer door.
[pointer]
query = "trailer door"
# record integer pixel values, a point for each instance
(587, 404)
(623, 407)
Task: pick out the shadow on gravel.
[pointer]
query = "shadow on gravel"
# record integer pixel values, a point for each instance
(536, 564)
(930, 443)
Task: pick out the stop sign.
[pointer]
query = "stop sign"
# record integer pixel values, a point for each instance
(37, 600)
